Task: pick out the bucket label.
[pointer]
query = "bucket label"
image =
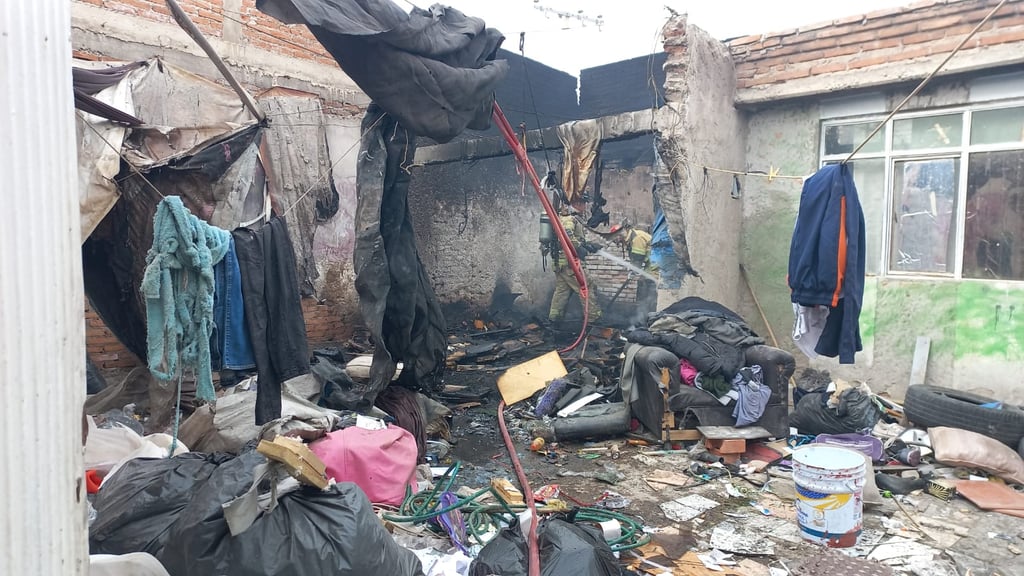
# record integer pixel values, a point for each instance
(830, 519)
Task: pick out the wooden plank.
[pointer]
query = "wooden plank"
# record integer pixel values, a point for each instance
(731, 432)
(919, 368)
(522, 380)
(297, 458)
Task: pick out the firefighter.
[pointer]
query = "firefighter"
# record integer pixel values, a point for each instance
(565, 280)
(637, 243)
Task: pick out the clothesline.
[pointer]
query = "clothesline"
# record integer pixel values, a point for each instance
(772, 174)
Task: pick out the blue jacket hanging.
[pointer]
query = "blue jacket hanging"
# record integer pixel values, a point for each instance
(826, 258)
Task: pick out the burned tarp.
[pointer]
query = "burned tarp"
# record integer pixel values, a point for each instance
(98, 92)
(433, 70)
(395, 296)
(87, 83)
(114, 255)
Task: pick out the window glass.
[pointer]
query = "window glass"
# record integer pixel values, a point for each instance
(843, 138)
(994, 231)
(1005, 125)
(924, 216)
(927, 132)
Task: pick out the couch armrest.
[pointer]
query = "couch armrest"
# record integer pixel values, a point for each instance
(777, 366)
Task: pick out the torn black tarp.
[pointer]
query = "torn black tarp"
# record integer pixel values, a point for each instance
(395, 296)
(433, 70)
(87, 83)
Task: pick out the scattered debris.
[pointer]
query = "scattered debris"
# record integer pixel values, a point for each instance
(687, 508)
(739, 539)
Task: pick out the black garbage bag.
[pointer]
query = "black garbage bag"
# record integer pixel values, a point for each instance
(855, 413)
(309, 532)
(137, 507)
(173, 509)
(504, 555)
(566, 549)
(337, 389)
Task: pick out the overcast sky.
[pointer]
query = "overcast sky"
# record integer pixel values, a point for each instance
(632, 27)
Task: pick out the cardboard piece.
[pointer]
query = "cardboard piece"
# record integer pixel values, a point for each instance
(523, 380)
(297, 458)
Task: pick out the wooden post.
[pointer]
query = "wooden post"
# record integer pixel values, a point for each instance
(190, 28)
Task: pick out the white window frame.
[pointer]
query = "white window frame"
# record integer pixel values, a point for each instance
(962, 151)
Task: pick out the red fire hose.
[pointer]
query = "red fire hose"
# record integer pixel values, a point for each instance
(556, 223)
(577, 269)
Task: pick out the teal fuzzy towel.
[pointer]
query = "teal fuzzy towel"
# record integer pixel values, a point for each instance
(178, 286)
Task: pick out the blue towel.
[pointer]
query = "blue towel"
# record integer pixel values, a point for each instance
(178, 286)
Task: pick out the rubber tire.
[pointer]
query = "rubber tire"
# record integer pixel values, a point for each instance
(930, 406)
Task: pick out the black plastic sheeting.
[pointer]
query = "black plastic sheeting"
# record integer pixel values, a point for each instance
(173, 509)
(433, 70)
(395, 297)
(566, 549)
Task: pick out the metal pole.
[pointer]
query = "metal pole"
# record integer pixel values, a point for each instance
(190, 28)
(42, 336)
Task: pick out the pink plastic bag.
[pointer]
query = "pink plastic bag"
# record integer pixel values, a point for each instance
(381, 462)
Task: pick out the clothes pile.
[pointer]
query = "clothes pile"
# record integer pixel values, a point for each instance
(706, 345)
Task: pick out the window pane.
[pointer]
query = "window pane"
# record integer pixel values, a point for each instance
(997, 126)
(869, 177)
(927, 132)
(924, 213)
(994, 234)
(843, 138)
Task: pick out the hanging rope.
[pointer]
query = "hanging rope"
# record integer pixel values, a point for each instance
(925, 81)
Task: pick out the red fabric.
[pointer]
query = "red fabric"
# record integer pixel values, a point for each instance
(381, 462)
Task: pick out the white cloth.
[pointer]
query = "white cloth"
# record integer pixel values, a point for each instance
(807, 327)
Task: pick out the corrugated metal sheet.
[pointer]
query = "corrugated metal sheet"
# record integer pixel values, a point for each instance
(42, 340)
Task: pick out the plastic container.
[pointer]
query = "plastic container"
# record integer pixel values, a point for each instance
(830, 489)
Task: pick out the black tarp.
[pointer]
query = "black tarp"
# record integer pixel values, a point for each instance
(395, 296)
(433, 70)
(429, 73)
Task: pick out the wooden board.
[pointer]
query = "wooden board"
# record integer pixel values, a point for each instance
(297, 458)
(919, 367)
(731, 432)
(522, 380)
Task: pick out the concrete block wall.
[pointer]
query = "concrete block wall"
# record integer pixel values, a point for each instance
(875, 42)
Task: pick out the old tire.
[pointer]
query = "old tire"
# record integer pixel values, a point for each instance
(928, 406)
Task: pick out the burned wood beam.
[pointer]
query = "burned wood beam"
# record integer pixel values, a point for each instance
(617, 127)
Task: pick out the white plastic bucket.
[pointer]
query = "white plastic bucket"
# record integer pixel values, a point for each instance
(830, 488)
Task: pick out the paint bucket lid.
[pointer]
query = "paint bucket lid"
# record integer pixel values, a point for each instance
(822, 458)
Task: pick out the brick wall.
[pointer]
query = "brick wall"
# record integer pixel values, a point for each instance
(105, 350)
(258, 29)
(607, 278)
(923, 29)
(323, 326)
